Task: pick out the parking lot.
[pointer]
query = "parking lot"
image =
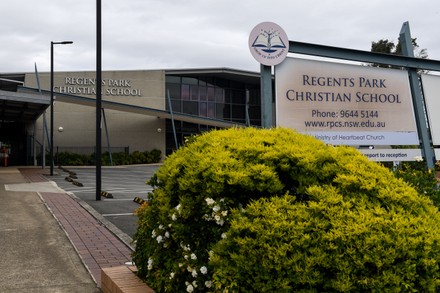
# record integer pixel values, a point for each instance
(124, 183)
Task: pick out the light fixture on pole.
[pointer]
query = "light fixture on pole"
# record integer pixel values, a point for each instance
(51, 99)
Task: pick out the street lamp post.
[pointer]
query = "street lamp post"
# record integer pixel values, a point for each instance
(51, 100)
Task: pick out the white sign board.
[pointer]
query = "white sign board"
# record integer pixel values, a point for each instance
(431, 92)
(392, 155)
(345, 104)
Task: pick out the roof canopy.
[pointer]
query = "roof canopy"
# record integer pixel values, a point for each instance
(21, 107)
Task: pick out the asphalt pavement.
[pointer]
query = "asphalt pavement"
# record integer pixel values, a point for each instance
(122, 184)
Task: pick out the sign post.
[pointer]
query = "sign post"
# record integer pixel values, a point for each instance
(407, 50)
(268, 44)
(266, 96)
(391, 120)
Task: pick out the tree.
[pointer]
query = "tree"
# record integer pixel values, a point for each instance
(389, 47)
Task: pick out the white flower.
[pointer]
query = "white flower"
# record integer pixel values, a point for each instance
(167, 234)
(153, 234)
(224, 236)
(180, 264)
(194, 283)
(159, 239)
(189, 269)
(221, 222)
(217, 218)
(190, 288)
(186, 256)
(172, 276)
(193, 256)
(209, 201)
(178, 208)
(194, 273)
(418, 158)
(222, 200)
(173, 217)
(224, 213)
(161, 227)
(208, 284)
(150, 263)
(204, 270)
(216, 208)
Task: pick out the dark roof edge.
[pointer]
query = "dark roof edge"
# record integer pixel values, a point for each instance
(212, 71)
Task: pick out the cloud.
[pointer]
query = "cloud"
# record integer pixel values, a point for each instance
(153, 34)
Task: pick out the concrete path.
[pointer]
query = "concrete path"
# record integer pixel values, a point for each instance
(36, 253)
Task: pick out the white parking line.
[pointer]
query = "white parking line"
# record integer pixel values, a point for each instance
(115, 215)
(119, 199)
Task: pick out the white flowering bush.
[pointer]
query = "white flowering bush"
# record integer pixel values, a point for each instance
(194, 191)
(195, 234)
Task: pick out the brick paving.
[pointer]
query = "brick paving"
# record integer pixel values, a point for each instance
(97, 246)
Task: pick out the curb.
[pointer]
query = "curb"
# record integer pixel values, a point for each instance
(127, 240)
(106, 194)
(122, 279)
(139, 200)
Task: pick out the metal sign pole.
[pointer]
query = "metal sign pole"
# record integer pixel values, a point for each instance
(416, 92)
(266, 96)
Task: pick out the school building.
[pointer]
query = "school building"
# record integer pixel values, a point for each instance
(141, 109)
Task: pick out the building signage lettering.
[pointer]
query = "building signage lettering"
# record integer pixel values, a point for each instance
(345, 104)
(392, 155)
(87, 86)
(342, 82)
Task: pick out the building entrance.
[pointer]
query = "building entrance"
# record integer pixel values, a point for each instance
(18, 113)
(14, 146)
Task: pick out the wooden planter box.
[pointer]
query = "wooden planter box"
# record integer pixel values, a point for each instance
(122, 279)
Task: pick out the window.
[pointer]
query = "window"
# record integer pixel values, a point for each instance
(185, 92)
(203, 93)
(238, 97)
(212, 97)
(203, 109)
(219, 95)
(238, 112)
(211, 110)
(177, 106)
(194, 92)
(174, 90)
(219, 110)
(190, 107)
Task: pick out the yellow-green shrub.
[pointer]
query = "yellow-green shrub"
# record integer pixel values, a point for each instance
(331, 244)
(339, 205)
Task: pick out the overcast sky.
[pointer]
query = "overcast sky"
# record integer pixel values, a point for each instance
(175, 34)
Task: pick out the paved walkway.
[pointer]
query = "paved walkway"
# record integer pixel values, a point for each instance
(96, 245)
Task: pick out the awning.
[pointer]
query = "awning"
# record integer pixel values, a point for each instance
(22, 107)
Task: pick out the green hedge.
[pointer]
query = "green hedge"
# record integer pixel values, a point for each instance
(248, 210)
(119, 158)
(418, 176)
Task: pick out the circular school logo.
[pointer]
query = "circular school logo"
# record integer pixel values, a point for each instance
(268, 43)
